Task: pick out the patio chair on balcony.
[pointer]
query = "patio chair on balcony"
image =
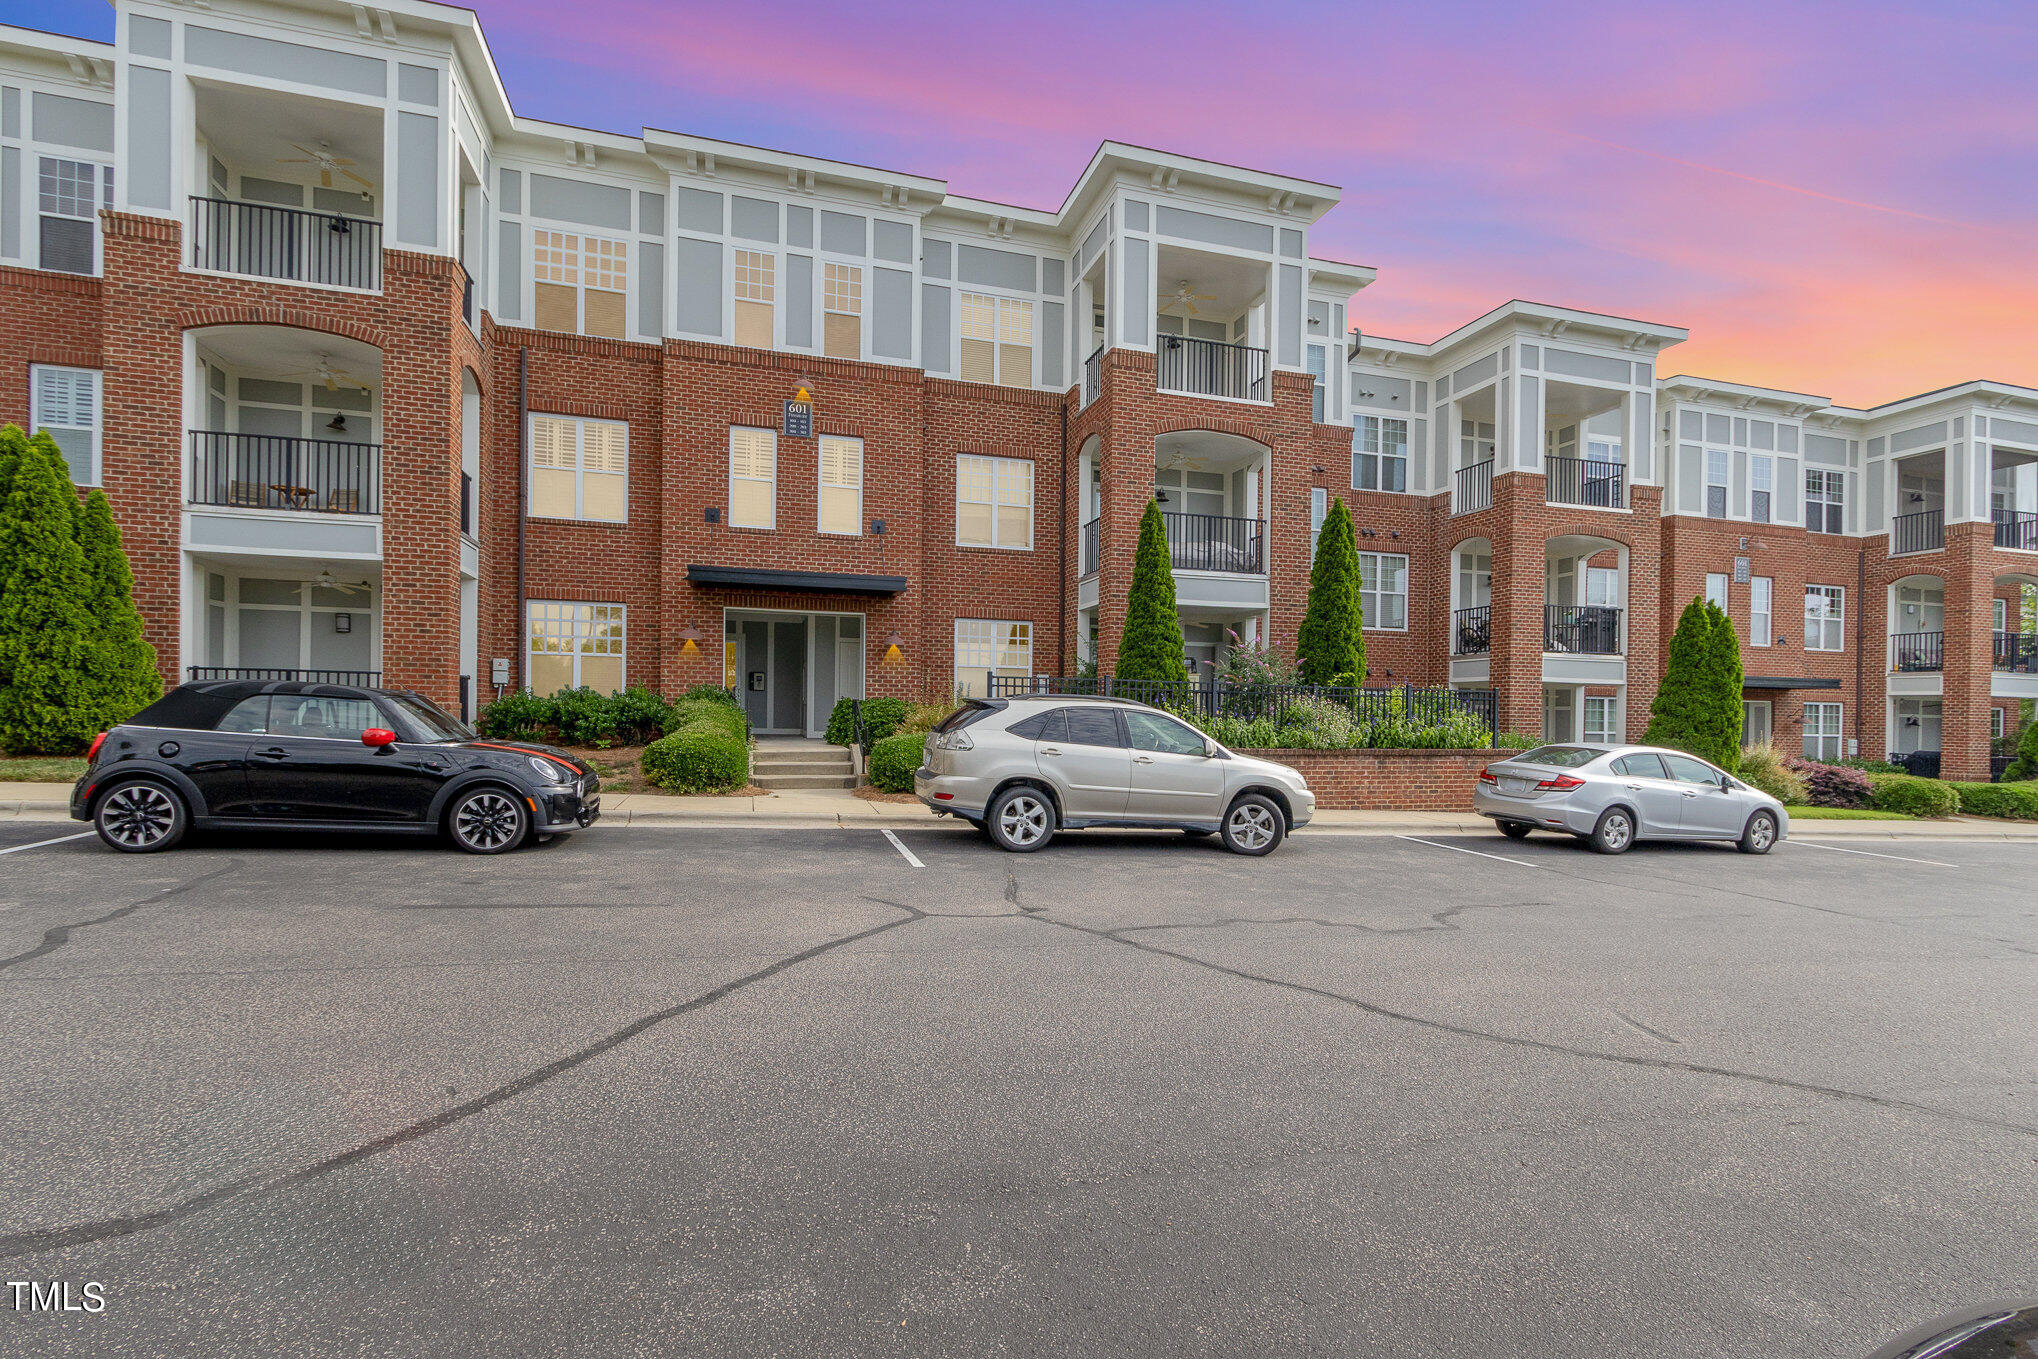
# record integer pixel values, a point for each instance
(252, 493)
(344, 502)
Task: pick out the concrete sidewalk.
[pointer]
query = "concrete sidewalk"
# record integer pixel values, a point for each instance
(828, 808)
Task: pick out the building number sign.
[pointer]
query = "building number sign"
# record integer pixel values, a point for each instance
(799, 416)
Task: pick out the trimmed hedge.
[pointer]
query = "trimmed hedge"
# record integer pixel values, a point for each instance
(893, 760)
(578, 717)
(881, 718)
(1915, 796)
(703, 757)
(694, 712)
(2012, 801)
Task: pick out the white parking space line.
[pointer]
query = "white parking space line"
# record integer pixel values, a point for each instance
(1457, 849)
(1836, 849)
(16, 849)
(900, 845)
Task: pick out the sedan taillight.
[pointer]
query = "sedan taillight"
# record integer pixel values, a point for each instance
(1560, 782)
(1486, 776)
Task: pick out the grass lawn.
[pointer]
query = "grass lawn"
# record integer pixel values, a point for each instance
(41, 769)
(1845, 814)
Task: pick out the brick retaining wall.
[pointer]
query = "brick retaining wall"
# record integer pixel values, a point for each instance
(1388, 780)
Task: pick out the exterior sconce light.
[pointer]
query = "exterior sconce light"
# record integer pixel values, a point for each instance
(689, 639)
(343, 622)
(893, 647)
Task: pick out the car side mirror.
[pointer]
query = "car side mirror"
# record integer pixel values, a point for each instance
(1726, 783)
(377, 737)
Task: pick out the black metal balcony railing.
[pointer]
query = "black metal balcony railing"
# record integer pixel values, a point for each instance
(1472, 631)
(1473, 488)
(1089, 547)
(1214, 542)
(1093, 375)
(1585, 481)
(1917, 651)
(467, 298)
(2016, 652)
(467, 503)
(2018, 529)
(272, 472)
(371, 678)
(1581, 629)
(1207, 368)
(264, 241)
(1924, 531)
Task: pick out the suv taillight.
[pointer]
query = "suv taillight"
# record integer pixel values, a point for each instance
(1486, 776)
(97, 742)
(1562, 781)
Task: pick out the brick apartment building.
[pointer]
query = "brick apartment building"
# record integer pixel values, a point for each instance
(385, 380)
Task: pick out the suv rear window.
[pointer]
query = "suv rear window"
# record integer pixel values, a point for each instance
(1047, 726)
(976, 710)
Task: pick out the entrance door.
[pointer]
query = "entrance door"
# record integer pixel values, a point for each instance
(1757, 722)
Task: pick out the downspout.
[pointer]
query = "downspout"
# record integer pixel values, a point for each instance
(1860, 651)
(523, 499)
(1061, 626)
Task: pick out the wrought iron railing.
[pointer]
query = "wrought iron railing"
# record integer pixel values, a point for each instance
(1089, 563)
(2018, 529)
(1212, 697)
(1585, 481)
(1581, 629)
(1472, 488)
(1214, 542)
(1472, 631)
(1923, 764)
(1093, 375)
(261, 240)
(2016, 652)
(1208, 368)
(1924, 531)
(1917, 651)
(467, 503)
(467, 298)
(276, 472)
(370, 678)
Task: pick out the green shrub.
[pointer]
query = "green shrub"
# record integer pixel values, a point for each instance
(583, 717)
(2025, 766)
(1915, 796)
(696, 712)
(893, 760)
(2014, 801)
(1330, 642)
(714, 692)
(1763, 768)
(881, 717)
(518, 715)
(641, 715)
(1867, 766)
(46, 627)
(841, 723)
(1150, 648)
(1832, 785)
(925, 716)
(702, 757)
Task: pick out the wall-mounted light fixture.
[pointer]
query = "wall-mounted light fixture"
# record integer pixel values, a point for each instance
(894, 645)
(338, 424)
(689, 639)
(712, 514)
(343, 622)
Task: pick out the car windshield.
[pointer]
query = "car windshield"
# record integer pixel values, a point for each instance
(433, 722)
(1563, 757)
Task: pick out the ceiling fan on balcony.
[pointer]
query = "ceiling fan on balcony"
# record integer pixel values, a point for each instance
(326, 581)
(324, 370)
(1186, 297)
(328, 165)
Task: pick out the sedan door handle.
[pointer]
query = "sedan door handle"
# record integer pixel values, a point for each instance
(1142, 759)
(1633, 787)
(273, 753)
(1049, 750)
(1691, 795)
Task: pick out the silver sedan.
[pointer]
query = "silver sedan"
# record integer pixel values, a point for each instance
(1612, 796)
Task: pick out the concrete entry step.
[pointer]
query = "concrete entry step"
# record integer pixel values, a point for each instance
(776, 782)
(836, 767)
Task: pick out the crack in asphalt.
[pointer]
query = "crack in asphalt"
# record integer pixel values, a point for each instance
(17, 1244)
(60, 935)
(1445, 920)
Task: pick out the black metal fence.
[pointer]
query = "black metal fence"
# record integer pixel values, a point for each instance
(1923, 763)
(1208, 368)
(275, 472)
(1214, 697)
(2016, 652)
(1917, 651)
(1585, 481)
(264, 241)
(371, 678)
(1472, 488)
(1214, 542)
(1924, 531)
(1472, 631)
(2018, 529)
(1581, 629)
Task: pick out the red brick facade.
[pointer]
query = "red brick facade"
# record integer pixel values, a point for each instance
(1400, 780)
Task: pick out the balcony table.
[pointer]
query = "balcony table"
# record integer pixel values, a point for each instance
(298, 496)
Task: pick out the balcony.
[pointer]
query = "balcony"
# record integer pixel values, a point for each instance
(1089, 558)
(1192, 367)
(2017, 529)
(274, 472)
(370, 678)
(1924, 531)
(1917, 653)
(1472, 488)
(1214, 542)
(2016, 653)
(1093, 375)
(1584, 481)
(1472, 631)
(256, 240)
(1581, 629)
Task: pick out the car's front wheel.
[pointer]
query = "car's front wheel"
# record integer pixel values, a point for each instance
(488, 821)
(1021, 820)
(1615, 833)
(141, 817)
(1254, 826)
(1515, 830)
(1760, 835)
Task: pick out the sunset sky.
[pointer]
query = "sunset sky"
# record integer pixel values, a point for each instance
(1836, 198)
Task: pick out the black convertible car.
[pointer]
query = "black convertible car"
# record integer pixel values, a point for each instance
(293, 755)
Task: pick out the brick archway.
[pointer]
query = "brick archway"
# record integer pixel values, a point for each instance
(1239, 429)
(205, 318)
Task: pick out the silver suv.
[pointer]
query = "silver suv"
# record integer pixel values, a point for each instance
(1023, 768)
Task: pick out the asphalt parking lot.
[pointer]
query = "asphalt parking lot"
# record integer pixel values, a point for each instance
(750, 1092)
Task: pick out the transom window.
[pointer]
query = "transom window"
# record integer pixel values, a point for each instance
(1383, 591)
(753, 477)
(581, 283)
(65, 402)
(756, 292)
(842, 308)
(580, 469)
(993, 502)
(1822, 731)
(986, 646)
(575, 645)
(1380, 453)
(1825, 618)
(1825, 498)
(841, 490)
(997, 340)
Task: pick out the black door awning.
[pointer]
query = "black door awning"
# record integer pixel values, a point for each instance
(813, 582)
(1785, 682)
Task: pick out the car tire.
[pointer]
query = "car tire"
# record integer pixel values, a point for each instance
(1021, 819)
(1515, 830)
(1253, 826)
(488, 820)
(143, 816)
(1615, 833)
(1759, 837)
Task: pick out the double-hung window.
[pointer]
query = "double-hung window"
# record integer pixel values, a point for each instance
(1824, 500)
(1761, 610)
(993, 502)
(574, 645)
(753, 477)
(842, 311)
(1716, 483)
(69, 194)
(997, 340)
(1383, 591)
(1601, 719)
(1762, 487)
(1380, 453)
(580, 469)
(1318, 367)
(65, 401)
(1716, 589)
(841, 491)
(581, 283)
(984, 647)
(1822, 731)
(1825, 618)
(756, 296)
(1602, 587)
(1319, 510)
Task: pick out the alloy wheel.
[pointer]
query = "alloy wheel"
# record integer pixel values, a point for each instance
(1618, 831)
(137, 816)
(1023, 819)
(1252, 826)
(1763, 833)
(488, 820)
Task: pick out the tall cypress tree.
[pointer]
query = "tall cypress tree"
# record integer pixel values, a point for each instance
(1152, 648)
(1331, 642)
(120, 665)
(44, 621)
(1677, 716)
(1723, 678)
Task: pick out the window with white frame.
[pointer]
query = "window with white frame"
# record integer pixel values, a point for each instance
(1317, 369)
(1602, 586)
(753, 477)
(1825, 618)
(581, 283)
(1477, 442)
(1380, 453)
(1825, 499)
(1383, 591)
(1319, 510)
(986, 647)
(1716, 483)
(1762, 487)
(1761, 610)
(1822, 731)
(1999, 611)
(997, 340)
(993, 501)
(65, 401)
(1602, 719)
(756, 297)
(580, 469)
(1996, 724)
(842, 311)
(1716, 589)
(574, 645)
(841, 491)
(69, 194)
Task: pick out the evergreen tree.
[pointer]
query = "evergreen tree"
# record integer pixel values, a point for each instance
(1676, 717)
(2025, 766)
(1331, 642)
(120, 666)
(1723, 677)
(44, 617)
(1152, 647)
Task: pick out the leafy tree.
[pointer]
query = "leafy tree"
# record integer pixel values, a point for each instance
(45, 618)
(2025, 766)
(120, 666)
(1723, 678)
(1676, 716)
(1331, 642)
(1152, 648)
